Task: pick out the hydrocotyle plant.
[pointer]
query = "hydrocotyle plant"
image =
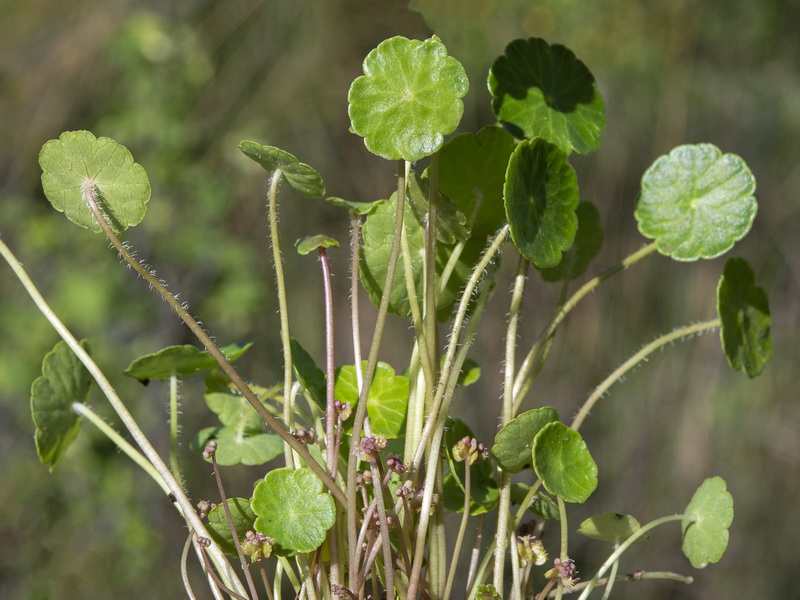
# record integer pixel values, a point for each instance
(381, 482)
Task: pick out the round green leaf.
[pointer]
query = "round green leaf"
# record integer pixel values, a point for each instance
(180, 361)
(744, 311)
(64, 381)
(513, 443)
(408, 99)
(705, 537)
(696, 202)
(293, 509)
(387, 402)
(299, 175)
(541, 90)
(308, 244)
(472, 169)
(77, 159)
(588, 241)
(610, 527)
(563, 463)
(234, 447)
(541, 195)
(243, 519)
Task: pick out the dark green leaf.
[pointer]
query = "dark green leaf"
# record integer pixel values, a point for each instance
(696, 202)
(544, 91)
(705, 538)
(588, 241)
(308, 374)
(744, 311)
(293, 509)
(64, 381)
(243, 521)
(408, 99)
(299, 175)
(563, 463)
(472, 169)
(234, 447)
(78, 159)
(180, 361)
(541, 195)
(513, 443)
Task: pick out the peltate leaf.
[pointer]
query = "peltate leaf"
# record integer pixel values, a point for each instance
(308, 374)
(234, 447)
(243, 519)
(408, 99)
(308, 244)
(293, 509)
(78, 159)
(360, 208)
(544, 91)
(180, 361)
(563, 463)
(696, 202)
(387, 402)
(541, 195)
(705, 538)
(588, 241)
(744, 311)
(472, 170)
(610, 527)
(299, 175)
(513, 443)
(64, 381)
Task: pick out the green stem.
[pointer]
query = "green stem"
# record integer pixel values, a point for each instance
(637, 576)
(276, 425)
(182, 500)
(361, 409)
(635, 360)
(452, 346)
(462, 529)
(612, 577)
(564, 555)
(624, 546)
(173, 429)
(283, 308)
(355, 245)
(504, 502)
(536, 350)
(121, 443)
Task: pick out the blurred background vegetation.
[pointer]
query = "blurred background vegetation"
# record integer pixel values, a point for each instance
(181, 83)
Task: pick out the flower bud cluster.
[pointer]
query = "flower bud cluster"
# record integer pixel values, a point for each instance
(257, 546)
(469, 449)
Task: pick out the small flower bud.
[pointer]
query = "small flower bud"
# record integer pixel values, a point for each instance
(257, 546)
(204, 507)
(564, 570)
(210, 449)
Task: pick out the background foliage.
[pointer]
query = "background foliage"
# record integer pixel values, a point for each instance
(181, 83)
